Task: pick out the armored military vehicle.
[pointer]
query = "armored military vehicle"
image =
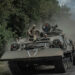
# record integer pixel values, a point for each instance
(54, 50)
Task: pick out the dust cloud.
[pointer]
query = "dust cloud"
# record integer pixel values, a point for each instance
(67, 23)
(68, 26)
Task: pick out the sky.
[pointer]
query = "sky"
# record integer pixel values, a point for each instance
(63, 2)
(70, 4)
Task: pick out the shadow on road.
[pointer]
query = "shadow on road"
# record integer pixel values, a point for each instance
(49, 71)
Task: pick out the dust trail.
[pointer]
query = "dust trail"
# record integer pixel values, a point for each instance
(68, 23)
(68, 26)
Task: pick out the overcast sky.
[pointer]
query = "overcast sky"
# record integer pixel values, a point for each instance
(69, 3)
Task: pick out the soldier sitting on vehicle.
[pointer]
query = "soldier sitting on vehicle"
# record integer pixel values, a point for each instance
(46, 28)
(31, 32)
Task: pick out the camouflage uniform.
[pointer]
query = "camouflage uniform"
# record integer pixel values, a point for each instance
(46, 28)
(31, 32)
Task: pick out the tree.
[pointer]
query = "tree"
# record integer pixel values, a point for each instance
(18, 14)
(64, 11)
(5, 36)
(48, 8)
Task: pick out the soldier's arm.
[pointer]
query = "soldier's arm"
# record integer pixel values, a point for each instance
(29, 31)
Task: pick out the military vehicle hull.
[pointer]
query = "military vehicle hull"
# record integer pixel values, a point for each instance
(12, 55)
(50, 56)
(55, 50)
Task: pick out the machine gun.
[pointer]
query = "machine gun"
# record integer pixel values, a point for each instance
(55, 29)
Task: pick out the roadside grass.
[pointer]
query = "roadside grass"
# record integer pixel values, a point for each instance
(4, 73)
(4, 70)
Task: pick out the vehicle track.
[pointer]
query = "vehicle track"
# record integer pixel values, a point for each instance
(5, 71)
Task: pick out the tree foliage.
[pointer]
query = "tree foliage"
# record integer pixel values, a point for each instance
(48, 8)
(17, 15)
(23, 12)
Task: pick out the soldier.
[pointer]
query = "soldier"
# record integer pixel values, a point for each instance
(46, 28)
(45, 35)
(31, 32)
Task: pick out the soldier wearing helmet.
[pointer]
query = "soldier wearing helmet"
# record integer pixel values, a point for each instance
(31, 32)
(46, 28)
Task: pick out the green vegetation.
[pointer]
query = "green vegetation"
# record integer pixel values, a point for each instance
(4, 70)
(17, 15)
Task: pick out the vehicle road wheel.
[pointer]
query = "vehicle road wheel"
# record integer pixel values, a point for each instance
(61, 66)
(19, 68)
(73, 59)
(70, 61)
(15, 70)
